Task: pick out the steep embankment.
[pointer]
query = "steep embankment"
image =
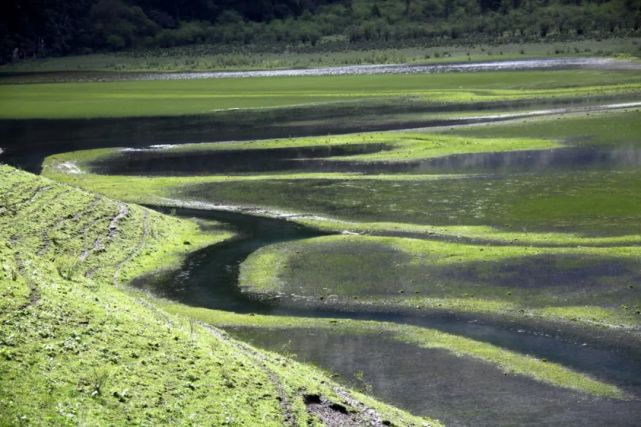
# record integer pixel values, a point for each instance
(78, 348)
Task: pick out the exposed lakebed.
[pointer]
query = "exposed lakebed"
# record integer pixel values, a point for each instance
(492, 185)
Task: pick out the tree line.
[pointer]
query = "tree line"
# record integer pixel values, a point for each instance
(38, 28)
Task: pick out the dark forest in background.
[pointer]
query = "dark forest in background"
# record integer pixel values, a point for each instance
(38, 28)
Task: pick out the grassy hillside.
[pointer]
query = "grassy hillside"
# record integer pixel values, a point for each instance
(78, 348)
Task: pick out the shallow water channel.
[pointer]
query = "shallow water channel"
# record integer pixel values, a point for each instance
(159, 162)
(459, 391)
(26, 143)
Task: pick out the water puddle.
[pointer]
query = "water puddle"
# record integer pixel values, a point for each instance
(189, 163)
(158, 162)
(458, 391)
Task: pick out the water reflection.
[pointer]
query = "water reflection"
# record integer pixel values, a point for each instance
(459, 391)
(154, 162)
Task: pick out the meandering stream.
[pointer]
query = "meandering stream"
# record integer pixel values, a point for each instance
(398, 372)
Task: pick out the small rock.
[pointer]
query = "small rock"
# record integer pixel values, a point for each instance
(338, 408)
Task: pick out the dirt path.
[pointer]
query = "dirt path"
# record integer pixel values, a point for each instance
(34, 292)
(21, 204)
(123, 211)
(97, 244)
(112, 230)
(260, 361)
(136, 249)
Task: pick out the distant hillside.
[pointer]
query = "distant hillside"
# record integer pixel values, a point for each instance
(36, 28)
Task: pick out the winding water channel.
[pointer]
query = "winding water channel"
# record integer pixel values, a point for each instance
(400, 373)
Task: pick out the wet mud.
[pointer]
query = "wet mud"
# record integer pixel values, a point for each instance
(156, 162)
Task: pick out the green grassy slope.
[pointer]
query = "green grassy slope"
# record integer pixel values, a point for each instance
(76, 348)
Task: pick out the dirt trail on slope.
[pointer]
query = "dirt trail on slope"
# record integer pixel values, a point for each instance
(34, 295)
(136, 249)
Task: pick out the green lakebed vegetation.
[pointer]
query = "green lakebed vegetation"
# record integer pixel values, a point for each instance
(202, 96)
(412, 274)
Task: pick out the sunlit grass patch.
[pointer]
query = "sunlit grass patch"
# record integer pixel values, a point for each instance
(390, 273)
(602, 129)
